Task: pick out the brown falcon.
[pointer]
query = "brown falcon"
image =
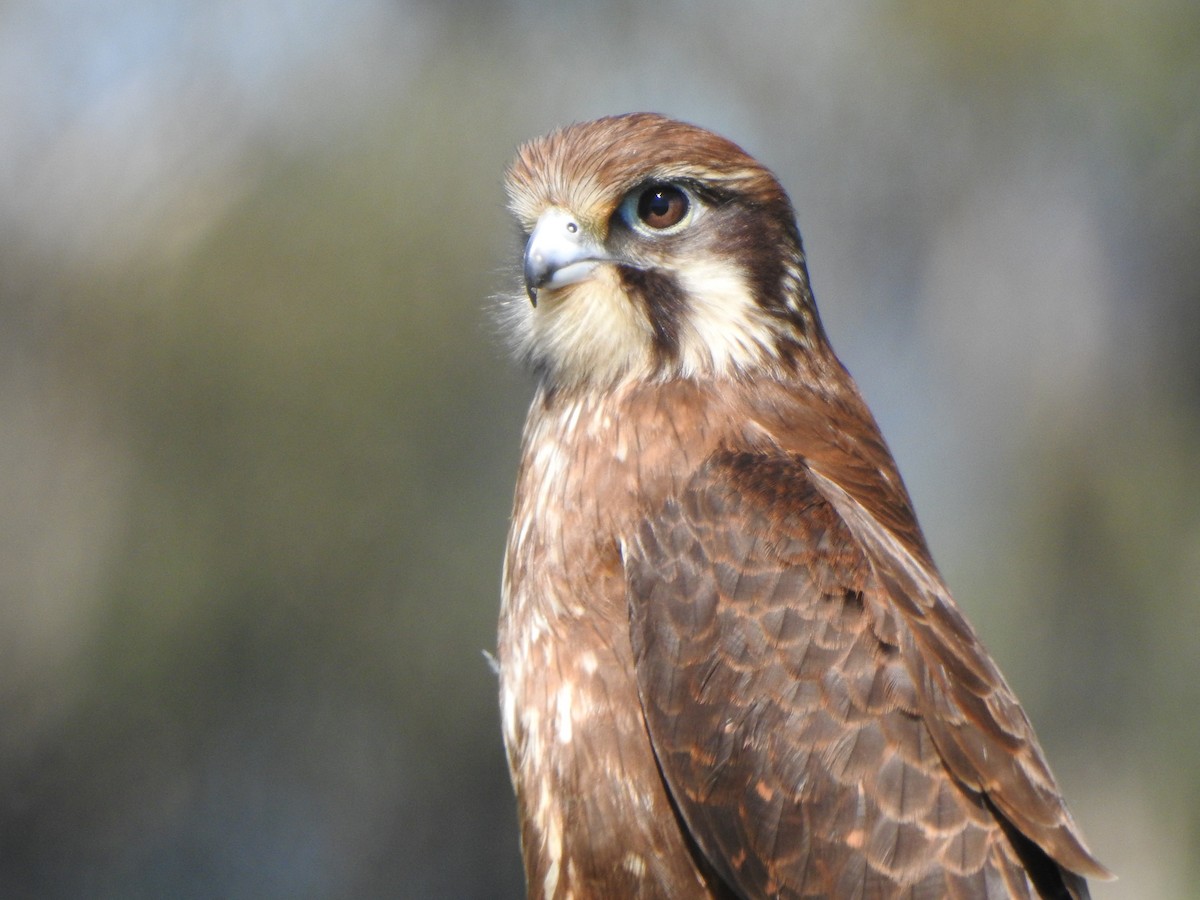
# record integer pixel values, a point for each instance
(729, 666)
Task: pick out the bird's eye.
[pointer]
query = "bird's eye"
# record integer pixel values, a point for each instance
(662, 206)
(659, 208)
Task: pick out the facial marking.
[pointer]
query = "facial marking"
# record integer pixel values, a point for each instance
(665, 305)
(726, 330)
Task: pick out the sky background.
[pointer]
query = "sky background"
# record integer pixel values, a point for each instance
(258, 431)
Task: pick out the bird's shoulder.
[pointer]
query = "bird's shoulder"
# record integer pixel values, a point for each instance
(788, 569)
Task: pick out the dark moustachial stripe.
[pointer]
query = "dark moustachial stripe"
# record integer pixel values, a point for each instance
(764, 247)
(665, 303)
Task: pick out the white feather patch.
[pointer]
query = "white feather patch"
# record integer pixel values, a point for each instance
(725, 330)
(584, 332)
(593, 332)
(563, 712)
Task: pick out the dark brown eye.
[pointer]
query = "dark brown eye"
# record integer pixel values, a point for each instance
(662, 206)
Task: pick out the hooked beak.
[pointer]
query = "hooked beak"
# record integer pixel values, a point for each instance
(559, 253)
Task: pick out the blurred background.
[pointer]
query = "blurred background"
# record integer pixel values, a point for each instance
(258, 432)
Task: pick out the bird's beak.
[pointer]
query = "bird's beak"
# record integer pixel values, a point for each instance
(559, 253)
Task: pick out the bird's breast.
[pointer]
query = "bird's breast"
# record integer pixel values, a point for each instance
(590, 796)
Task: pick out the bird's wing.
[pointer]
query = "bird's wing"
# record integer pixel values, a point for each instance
(824, 717)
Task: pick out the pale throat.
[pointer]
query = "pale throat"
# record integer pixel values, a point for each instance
(593, 332)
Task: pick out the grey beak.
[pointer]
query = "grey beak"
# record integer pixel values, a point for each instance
(558, 253)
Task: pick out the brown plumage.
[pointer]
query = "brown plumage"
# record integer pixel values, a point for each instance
(729, 666)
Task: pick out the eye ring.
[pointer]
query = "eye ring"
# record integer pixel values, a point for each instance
(659, 208)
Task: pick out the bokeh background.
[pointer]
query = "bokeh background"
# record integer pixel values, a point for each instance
(258, 432)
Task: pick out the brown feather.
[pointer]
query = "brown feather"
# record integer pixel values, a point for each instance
(729, 666)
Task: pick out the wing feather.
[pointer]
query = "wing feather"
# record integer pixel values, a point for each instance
(822, 714)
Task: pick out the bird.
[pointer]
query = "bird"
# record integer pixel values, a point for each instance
(728, 665)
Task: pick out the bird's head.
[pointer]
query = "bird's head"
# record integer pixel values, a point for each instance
(654, 248)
